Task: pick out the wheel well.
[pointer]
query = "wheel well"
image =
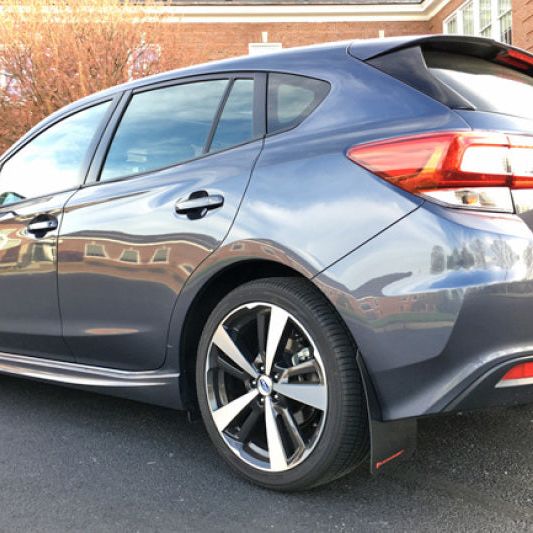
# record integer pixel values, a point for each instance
(206, 300)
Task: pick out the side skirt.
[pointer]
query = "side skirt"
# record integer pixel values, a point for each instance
(391, 441)
(160, 387)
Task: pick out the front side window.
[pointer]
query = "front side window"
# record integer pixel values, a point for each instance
(291, 99)
(163, 127)
(54, 160)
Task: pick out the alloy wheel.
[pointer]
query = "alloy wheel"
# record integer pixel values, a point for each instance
(266, 387)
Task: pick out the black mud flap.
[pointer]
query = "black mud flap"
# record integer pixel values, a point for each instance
(390, 442)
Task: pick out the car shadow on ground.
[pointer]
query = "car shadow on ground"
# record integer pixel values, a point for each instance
(124, 464)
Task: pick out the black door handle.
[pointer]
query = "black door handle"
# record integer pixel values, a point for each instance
(42, 224)
(198, 204)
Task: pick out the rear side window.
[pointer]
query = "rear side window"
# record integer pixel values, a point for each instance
(236, 123)
(488, 86)
(291, 99)
(163, 127)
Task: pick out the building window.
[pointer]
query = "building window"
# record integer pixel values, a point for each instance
(130, 256)
(486, 18)
(42, 253)
(505, 18)
(161, 255)
(468, 18)
(95, 250)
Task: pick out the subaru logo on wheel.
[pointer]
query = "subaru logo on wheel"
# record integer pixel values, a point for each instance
(264, 385)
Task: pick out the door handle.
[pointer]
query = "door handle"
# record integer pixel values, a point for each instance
(198, 204)
(40, 226)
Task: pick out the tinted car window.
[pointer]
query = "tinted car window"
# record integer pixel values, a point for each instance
(291, 99)
(489, 86)
(163, 127)
(236, 122)
(54, 160)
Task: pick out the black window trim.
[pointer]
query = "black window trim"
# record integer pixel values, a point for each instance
(47, 124)
(93, 177)
(218, 114)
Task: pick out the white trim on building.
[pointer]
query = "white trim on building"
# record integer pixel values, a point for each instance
(423, 11)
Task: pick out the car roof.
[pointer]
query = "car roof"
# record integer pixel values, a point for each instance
(363, 49)
(280, 60)
(283, 59)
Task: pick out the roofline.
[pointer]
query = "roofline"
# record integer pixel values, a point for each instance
(246, 13)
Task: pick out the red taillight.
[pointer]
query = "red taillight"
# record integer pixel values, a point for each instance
(468, 169)
(520, 371)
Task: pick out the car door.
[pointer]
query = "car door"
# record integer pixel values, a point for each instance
(36, 180)
(162, 199)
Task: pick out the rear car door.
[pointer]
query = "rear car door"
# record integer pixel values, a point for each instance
(36, 180)
(161, 200)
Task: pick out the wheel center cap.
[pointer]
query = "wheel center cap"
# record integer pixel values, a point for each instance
(264, 385)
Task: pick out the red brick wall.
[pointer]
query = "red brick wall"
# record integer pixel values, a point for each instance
(523, 24)
(201, 42)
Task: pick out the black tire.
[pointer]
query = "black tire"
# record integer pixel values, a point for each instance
(344, 439)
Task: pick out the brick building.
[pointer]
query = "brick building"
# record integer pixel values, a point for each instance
(215, 29)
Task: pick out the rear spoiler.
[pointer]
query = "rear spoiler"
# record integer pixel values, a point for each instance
(402, 58)
(366, 50)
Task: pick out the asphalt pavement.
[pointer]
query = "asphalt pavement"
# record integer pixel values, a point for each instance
(75, 461)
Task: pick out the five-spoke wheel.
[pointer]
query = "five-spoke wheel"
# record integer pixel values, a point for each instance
(278, 385)
(266, 386)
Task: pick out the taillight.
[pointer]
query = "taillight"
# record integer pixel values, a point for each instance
(520, 374)
(462, 169)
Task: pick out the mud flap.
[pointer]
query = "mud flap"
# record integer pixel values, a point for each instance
(392, 441)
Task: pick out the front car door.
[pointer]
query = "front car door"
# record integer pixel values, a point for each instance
(164, 197)
(36, 180)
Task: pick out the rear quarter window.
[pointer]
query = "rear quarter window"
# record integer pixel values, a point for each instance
(488, 86)
(291, 99)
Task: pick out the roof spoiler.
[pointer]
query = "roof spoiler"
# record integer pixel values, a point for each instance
(475, 46)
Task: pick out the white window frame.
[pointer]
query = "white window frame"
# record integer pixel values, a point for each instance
(495, 19)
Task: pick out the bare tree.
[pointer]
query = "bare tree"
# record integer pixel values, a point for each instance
(54, 52)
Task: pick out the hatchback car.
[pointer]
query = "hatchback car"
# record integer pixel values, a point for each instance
(311, 248)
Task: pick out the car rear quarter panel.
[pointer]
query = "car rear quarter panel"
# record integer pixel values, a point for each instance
(436, 301)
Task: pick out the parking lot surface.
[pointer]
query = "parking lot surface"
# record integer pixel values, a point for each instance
(75, 461)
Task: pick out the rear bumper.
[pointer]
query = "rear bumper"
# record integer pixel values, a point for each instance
(491, 390)
(440, 305)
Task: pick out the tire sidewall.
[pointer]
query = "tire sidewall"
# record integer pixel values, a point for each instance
(310, 470)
